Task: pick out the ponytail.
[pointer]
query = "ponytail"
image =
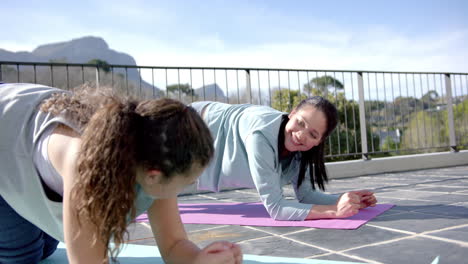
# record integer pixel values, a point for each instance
(104, 189)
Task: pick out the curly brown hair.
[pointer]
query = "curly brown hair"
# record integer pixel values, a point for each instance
(120, 135)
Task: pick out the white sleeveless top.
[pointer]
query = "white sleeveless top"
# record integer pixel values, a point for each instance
(46, 170)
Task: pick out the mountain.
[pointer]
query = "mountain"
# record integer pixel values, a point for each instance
(211, 92)
(80, 50)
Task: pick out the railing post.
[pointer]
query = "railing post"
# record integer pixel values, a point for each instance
(451, 124)
(247, 84)
(97, 76)
(362, 117)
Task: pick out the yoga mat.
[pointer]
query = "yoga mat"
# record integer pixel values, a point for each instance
(255, 214)
(138, 254)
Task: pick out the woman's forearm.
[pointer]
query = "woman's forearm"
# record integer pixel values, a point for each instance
(322, 211)
(183, 251)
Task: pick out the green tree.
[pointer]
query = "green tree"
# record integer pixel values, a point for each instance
(285, 100)
(426, 130)
(182, 88)
(460, 112)
(321, 85)
(430, 99)
(388, 143)
(101, 64)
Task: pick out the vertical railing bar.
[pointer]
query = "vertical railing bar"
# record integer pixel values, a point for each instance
(386, 110)
(227, 86)
(378, 108)
(426, 142)
(152, 83)
(97, 76)
(139, 82)
(203, 83)
(431, 111)
(290, 106)
(466, 98)
(370, 112)
(457, 95)
(51, 74)
(402, 116)
(416, 113)
(17, 73)
(437, 113)
(452, 136)
(345, 112)
(409, 114)
(192, 91)
(441, 79)
(325, 95)
(354, 112)
(316, 76)
(269, 87)
(35, 73)
(462, 109)
(178, 83)
(336, 102)
(259, 90)
(299, 86)
(82, 74)
(237, 81)
(394, 114)
(167, 84)
(67, 76)
(308, 84)
(214, 79)
(362, 116)
(112, 76)
(279, 88)
(126, 80)
(248, 85)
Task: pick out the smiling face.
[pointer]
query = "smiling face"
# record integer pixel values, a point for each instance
(304, 129)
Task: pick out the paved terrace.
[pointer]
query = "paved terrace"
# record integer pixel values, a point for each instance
(430, 219)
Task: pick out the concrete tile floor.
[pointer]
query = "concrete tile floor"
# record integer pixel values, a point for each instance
(430, 219)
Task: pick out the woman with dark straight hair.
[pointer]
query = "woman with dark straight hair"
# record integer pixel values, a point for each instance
(79, 167)
(260, 147)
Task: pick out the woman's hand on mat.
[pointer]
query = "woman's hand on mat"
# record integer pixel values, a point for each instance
(220, 252)
(348, 205)
(366, 198)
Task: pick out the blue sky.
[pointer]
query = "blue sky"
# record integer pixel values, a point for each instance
(396, 35)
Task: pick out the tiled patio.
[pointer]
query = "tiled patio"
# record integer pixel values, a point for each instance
(430, 219)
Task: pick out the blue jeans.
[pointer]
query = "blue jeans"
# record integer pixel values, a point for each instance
(20, 240)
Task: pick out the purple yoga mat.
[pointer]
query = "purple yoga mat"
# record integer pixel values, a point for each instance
(254, 214)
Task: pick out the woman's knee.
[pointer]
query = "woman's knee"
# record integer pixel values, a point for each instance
(20, 240)
(27, 252)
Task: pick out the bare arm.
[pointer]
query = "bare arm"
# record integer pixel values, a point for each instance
(78, 238)
(348, 204)
(173, 242)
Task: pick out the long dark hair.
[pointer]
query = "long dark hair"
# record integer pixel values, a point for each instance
(120, 135)
(314, 159)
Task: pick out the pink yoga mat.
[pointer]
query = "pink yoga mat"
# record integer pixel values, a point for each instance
(255, 214)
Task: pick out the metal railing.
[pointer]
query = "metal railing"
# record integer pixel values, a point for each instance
(381, 113)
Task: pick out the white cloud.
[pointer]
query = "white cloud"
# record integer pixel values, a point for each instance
(371, 52)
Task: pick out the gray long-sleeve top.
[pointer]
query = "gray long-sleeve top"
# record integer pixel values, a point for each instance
(246, 155)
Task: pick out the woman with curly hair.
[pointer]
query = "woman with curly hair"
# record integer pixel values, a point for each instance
(78, 167)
